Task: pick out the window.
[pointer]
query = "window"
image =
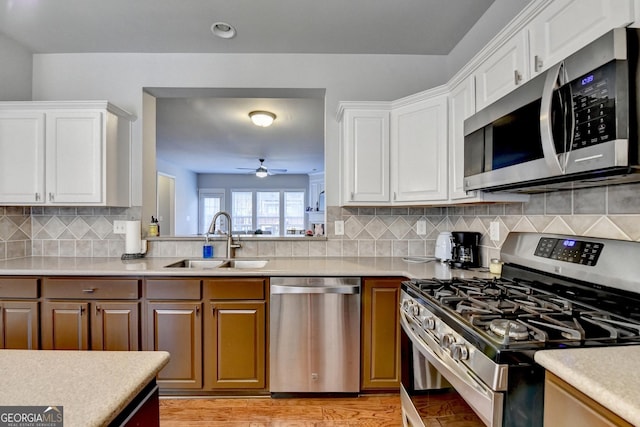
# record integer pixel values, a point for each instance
(211, 201)
(242, 211)
(276, 212)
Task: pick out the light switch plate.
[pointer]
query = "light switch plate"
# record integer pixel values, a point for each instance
(421, 227)
(494, 231)
(339, 226)
(119, 227)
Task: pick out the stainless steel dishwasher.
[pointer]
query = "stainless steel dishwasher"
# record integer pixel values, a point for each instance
(314, 335)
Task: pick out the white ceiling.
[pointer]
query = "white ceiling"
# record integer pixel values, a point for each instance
(213, 124)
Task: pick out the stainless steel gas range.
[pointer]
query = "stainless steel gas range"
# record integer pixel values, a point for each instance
(479, 335)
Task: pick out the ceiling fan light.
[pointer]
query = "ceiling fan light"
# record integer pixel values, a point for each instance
(262, 118)
(261, 173)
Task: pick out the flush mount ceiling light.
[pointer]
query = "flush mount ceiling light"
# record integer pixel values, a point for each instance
(262, 118)
(223, 30)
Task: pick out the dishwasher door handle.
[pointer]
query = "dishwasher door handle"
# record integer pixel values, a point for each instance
(329, 289)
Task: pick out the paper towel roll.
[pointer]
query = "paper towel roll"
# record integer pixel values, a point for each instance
(132, 238)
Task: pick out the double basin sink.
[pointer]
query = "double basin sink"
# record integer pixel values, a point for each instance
(207, 264)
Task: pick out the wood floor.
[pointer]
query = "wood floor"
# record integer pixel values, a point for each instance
(442, 410)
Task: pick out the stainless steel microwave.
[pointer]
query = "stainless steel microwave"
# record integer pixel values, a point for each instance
(573, 126)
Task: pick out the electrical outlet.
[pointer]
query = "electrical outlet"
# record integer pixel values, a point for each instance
(494, 231)
(421, 227)
(339, 226)
(119, 227)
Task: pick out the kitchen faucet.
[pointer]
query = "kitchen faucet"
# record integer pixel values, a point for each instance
(212, 230)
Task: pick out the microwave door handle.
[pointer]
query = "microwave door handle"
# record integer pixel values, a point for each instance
(546, 134)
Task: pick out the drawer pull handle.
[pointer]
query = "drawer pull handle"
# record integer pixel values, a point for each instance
(89, 290)
(98, 309)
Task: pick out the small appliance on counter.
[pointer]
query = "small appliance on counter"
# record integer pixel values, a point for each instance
(444, 246)
(465, 253)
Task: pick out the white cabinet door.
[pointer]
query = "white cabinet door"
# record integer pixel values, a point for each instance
(461, 106)
(503, 71)
(365, 163)
(565, 26)
(22, 145)
(74, 157)
(419, 151)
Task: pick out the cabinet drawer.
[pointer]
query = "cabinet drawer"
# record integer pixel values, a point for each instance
(235, 288)
(85, 288)
(173, 289)
(18, 287)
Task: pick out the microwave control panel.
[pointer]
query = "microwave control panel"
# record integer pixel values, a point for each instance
(569, 250)
(594, 106)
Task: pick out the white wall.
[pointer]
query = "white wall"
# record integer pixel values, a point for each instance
(186, 208)
(15, 71)
(120, 78)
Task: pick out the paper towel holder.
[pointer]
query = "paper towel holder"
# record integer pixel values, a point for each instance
(141, 254)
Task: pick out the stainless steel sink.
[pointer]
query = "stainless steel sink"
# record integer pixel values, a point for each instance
(246, 263)
(205, 264)
(197, 263)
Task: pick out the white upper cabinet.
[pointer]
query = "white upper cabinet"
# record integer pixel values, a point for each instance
(461, 106)
(419, 150)
(74, 172)
(565, 26)
(505, 69)
(22, 136)
(64, 153)
(365, 154)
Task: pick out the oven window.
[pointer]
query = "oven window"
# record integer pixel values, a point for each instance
(516, 137)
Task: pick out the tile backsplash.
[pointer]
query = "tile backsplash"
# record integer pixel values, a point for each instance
(609, 212)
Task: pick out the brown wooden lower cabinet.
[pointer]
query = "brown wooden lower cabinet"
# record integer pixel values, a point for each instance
(380, 365)
(235, 345)
(19, 313)
(176, 327)
(19, 325)
(65, 325)
(235, 333)
(115, 326)
(76, 314)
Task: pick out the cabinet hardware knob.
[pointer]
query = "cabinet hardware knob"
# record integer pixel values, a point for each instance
(81, 310)
(37, 197)
(98, 309)
(51, 197)
(197, 310)
(89, 290)
(517, 77)
(538, 63)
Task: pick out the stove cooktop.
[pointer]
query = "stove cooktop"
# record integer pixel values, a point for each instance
(512, 314)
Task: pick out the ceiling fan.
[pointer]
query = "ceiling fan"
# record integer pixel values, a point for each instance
(263, 171)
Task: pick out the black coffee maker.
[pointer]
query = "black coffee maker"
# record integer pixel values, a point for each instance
(465, 249)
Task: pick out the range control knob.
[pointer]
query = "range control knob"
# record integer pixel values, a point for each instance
(459, 351)
(429, 323)
(446, 341)
(407, 304)
(415, 310)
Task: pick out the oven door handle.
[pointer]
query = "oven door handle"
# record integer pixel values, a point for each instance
(484, 401)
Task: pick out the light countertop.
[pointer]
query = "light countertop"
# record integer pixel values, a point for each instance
(93, 387)
(608, 375)
(277, 266)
